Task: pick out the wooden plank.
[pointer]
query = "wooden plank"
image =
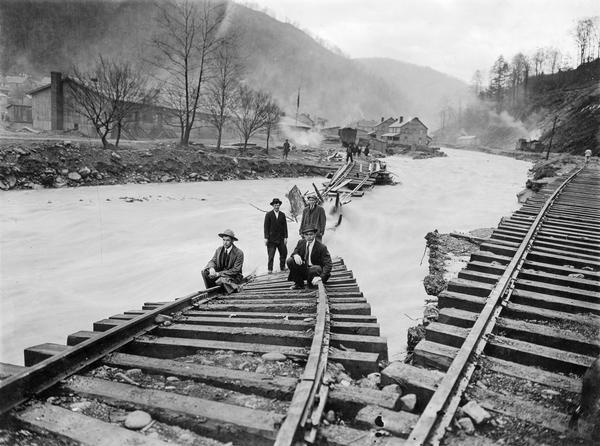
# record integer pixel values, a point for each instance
(470, 287)
(225, 422)
(398, 423)
(47, 418)
(272, 386)
(521, 409)
(478, 276)
(421, 382)
(558, 290)
(590, 284)
(367, 319)
(518, 311)
(38, 353)
(549, 336)
(357, 328)
(432, 354)
(7, 370)
(547, 358)
(454, 316)
(339, 435)
(525, 352)
(534, 374)
(461, 301)
(356, 363)
(553, 302)
(349, 400)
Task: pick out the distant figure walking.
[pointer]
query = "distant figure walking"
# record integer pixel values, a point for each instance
(313, 216)
(366, 151)
(225, 267)
(286, 149)
(276, 235)
(310, 261)
(588, 155)
(349, 150)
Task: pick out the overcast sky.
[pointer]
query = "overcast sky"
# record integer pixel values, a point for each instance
(456, 37)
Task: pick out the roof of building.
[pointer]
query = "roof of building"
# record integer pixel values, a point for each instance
(398, 124)
(385, 123)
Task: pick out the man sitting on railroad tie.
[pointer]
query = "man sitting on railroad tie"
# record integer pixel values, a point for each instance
(310, 261)
(225, 267)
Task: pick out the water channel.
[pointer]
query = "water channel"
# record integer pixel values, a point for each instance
(69, 257)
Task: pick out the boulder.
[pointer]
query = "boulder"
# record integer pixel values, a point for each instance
(137, 420)
(467, 425)
(408, 402)
(84, 172)
(477, 413)
(392, 388)
(274, 356)
(74, 176)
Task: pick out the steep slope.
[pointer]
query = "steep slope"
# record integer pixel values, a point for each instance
(37, 36)
(428, 91)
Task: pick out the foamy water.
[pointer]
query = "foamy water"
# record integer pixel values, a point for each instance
(69, 257)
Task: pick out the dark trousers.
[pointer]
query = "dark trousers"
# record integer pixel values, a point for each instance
(300, 273)
(282, 248)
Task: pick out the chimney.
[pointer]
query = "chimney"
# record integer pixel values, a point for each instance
(382, 119)
(56, 101)
(400, 119)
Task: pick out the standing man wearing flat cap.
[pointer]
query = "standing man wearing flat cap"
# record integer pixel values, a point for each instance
(225, 267)
(276, 235)
(310, 261)
(313, 216)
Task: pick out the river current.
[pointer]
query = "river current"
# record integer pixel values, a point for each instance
(69, 257)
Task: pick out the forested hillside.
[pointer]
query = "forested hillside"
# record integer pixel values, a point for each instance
(39, 36)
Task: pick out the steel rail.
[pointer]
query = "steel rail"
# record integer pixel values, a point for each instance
(35, 379)
(440, 409)
(302, 413)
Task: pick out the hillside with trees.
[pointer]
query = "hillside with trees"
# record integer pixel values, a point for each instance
(536, 97)
(39, 37)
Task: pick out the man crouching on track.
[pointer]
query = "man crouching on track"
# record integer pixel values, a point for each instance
(225, 268)
(310, 261)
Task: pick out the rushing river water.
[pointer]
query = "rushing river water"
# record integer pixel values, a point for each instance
(69, 257)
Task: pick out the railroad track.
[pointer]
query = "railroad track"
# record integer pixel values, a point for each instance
(196, 365)
(519, 326)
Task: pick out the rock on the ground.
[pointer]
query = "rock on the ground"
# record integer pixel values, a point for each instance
(409, 402)
(274, 356)
(477, 413)
(137, 420)
(74, 176)
(133, 373)
(467, 425)
(392, 388)
(84, 172)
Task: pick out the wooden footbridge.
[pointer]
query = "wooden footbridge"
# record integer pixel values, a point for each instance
(516, 330)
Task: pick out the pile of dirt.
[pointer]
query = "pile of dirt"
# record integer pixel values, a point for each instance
(52, 164)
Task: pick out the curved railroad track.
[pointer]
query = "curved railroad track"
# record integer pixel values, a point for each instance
(197, 363)
(524, 317)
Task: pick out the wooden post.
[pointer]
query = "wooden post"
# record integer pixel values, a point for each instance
(551, 137)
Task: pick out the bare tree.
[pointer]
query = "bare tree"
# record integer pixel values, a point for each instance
(519, 74)
(189, 33)
(249, 112)
(553, 57)
(583, 34)
(538, 61)
(107, 94)
(272, 117)
(222, 86)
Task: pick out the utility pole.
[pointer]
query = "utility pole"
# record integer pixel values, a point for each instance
(551, 136)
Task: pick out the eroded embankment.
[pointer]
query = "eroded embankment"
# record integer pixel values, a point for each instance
(53, 164)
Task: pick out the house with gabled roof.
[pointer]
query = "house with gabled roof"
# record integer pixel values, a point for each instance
(409, 133)
(382, 128)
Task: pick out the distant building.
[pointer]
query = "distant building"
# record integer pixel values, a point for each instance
(410, 133)
(53, 108)
(19, 113)
(382, 128)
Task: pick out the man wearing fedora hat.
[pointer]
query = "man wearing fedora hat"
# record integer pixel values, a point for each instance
(225, 267)
(313, 216)
(310, 261)
(276, 235)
